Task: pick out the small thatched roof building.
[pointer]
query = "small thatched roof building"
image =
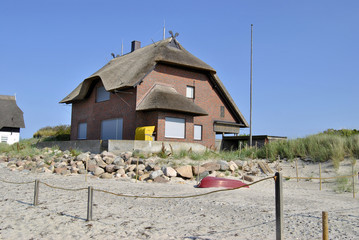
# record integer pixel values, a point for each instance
(11, 115)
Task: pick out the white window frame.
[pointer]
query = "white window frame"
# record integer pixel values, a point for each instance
(82, 127)
(197, 132)
(102, 95)
(175, 127)
(190, 92)
(4, 139)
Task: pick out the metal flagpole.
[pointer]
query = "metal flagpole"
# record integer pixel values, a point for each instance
(250, 116)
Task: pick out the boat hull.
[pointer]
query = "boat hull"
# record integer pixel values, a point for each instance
(211, 182)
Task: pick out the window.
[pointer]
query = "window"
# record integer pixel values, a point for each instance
(197, 132)
(111, 129)
(82, 131)
(190, 92)
(4, 139)
(175, 127)
(222, 111)
(102, 94)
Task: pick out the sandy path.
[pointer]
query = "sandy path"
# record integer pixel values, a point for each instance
(239, 214)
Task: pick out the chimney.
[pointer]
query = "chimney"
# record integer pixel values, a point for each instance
(135, 45)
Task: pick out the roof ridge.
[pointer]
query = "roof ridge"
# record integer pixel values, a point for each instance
(7, 97)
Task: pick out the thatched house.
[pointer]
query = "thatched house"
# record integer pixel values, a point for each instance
(11, 120)
(160, 85)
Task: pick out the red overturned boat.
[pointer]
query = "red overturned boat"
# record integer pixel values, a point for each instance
(209, 182)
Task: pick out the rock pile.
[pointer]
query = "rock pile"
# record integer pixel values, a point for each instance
(107, 165)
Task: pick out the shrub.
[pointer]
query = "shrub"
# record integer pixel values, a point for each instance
(57, 133)
(334, 145)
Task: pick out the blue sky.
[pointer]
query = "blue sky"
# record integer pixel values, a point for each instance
(305, 65)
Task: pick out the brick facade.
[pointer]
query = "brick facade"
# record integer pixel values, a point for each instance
(120, 105)
(123, 105)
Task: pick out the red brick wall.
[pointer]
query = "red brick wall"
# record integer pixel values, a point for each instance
(205, 97)
(120, 105)
(123, 105)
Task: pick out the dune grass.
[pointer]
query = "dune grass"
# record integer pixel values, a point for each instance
(21, 149)
(334, 146)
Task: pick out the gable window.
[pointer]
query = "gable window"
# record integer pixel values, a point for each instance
(175, 127)
(197, 133)
(112, 129)
(222, 111)
(82, 131)
(102, 95)
(190, 92)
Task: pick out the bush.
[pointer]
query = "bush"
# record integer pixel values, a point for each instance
(335, 146)
(342, 132)
(57, 133)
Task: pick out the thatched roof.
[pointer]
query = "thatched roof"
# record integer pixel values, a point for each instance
(130, 69)
(10, 114)
(167, 98)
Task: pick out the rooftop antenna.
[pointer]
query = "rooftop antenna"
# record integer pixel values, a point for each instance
(122, 48)
(164, 29)
(153, 42)
(173, 36)
(251, 70)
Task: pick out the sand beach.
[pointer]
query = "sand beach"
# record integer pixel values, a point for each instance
(247, 213)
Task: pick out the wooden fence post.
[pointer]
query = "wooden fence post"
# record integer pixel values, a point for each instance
(138, 159)
(296, 168)
(279, 205)
(353, 179)
(36, 192)
(87, 165)
(89, 204)
(325, 225)
(320, 176)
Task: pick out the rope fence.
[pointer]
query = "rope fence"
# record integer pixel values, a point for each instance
(278, 195)
(320, 178)
(323, 178)
(16, 182)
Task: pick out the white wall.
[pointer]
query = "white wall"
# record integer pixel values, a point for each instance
(9, 137)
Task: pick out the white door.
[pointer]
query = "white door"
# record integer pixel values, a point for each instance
(112, 129)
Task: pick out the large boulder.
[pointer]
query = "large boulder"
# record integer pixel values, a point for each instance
(110, 168)
(160, 179)
(197, 170)
(135, 160)
(121, 171)
(232, 166)
(61, 170)
(108, 160)
(223, 165)
(248, 178)
(211, 166)
(106, 175)
(83, 157)
(98, 171)
(185, 171)
(169, 172)
(140, 167)
(239, 163)
(155, 174)
(108, 154)
(119, 161)
(126, 156)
